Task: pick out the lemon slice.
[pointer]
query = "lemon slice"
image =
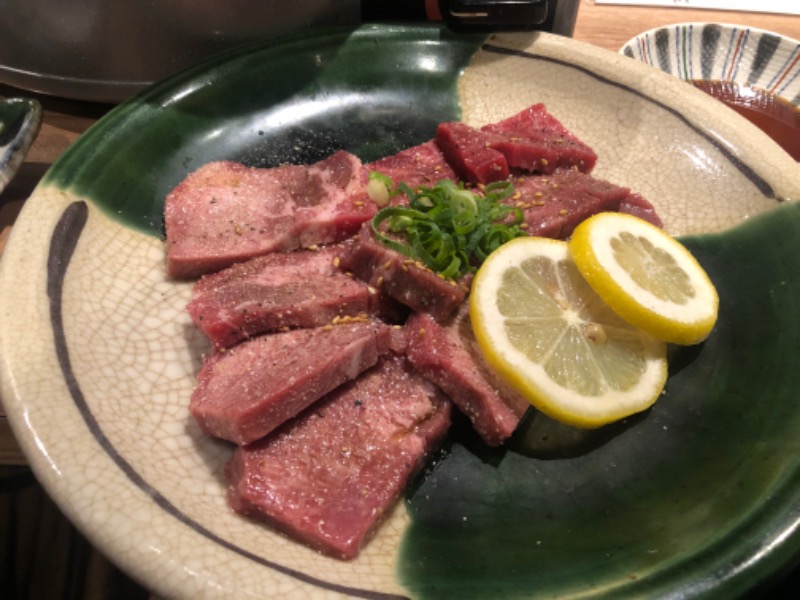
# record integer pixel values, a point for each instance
(543, 329)
(646, 276)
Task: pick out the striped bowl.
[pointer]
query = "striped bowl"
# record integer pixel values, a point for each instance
(712, 51)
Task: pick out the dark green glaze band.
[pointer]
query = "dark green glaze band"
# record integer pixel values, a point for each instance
(675, 501)
(296, 100)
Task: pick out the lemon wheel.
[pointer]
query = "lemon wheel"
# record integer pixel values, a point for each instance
(646, 276)
(541, 326)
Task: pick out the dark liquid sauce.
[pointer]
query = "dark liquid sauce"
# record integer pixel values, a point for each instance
(772, 114)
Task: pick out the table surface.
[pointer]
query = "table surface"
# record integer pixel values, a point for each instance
(605, 25)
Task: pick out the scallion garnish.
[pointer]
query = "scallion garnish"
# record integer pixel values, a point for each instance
(447, 227)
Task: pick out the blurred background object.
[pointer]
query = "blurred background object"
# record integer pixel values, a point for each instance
(555, 16)
(107, 51)
(766, 6)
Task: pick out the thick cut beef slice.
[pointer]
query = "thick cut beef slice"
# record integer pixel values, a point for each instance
(244, 393)
(225, 212)
(419, 166)
(329, 477)
(535, 141)
(407, 281)
(449, 357)
(553, 205)
(305, 288)
(471, 154)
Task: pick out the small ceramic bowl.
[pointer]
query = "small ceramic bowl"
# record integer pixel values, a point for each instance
(711, 51)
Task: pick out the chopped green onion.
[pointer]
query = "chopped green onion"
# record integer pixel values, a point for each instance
(447, 227)
(379, 188)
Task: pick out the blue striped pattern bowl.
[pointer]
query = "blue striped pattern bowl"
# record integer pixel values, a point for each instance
(718, 52)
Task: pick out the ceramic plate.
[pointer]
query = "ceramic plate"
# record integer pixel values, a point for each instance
(700, 495)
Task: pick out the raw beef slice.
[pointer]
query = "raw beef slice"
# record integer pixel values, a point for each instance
(408, 281)
(534, 140)
(226, 212)
(418, 166)
(329, 477)
(244, 393)
(304, 288)
(471, 154)
(448, 355)
(553, 205)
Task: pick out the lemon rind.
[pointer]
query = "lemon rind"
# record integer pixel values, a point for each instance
(680, 324)
(529, 379)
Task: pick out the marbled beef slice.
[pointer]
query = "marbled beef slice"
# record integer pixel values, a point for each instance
(244, 393)
(329, 477)
(448, 355)
(226, 212)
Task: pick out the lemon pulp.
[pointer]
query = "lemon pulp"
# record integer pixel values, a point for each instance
(543, 328)
(646, 276)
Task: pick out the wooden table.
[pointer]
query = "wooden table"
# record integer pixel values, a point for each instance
(610, 26)
(607, 26)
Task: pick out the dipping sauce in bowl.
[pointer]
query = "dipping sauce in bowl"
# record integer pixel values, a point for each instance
(775, 116)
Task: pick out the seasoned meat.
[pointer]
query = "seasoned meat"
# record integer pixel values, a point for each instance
(555, 204)
(403, 279)
(333, 412)
(225, 212)
(280, 291)
(449, 357)
(244, 393)
(471, 154)
(422, 165)
(533, 140)
(329, 477)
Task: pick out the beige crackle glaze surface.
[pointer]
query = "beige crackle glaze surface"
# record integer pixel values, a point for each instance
(135, 354)
(640, 144)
